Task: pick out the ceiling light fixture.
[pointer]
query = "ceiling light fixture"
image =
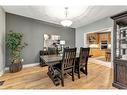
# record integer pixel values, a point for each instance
(66, 22)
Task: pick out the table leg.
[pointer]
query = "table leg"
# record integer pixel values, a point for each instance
(52, 76)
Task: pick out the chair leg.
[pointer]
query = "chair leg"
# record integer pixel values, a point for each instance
(73, 75)
(79, 73)
(86, 69)
(62, 80)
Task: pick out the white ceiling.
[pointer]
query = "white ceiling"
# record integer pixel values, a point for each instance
(80, 16)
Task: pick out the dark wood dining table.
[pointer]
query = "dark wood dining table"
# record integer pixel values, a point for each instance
(52, 60)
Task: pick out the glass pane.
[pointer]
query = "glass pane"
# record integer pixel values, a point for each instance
(121, 45)
(117, 43)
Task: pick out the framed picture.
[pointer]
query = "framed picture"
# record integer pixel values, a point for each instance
(51, 41)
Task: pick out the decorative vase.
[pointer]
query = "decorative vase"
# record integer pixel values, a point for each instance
(15, 66)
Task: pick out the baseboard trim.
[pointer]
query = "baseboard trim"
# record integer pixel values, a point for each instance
(24, 66)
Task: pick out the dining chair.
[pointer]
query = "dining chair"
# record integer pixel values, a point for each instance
(52, 51)
(42, 53)
(81, 63)
(67, 64)
(49, 51)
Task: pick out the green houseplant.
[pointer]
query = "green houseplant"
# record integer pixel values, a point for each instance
(15, 45)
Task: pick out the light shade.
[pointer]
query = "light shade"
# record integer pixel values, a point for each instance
(62, 42)
(66, 23)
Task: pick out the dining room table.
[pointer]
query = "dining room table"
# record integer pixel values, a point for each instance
(52, 60)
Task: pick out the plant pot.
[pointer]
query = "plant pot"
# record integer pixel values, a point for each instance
(15, 66)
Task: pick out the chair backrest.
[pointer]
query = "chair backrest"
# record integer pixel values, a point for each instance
(52, 51)
(69, 56)
(66, 47)
(84, 55)
(42, 52)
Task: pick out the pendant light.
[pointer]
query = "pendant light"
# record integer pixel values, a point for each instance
(66, 22)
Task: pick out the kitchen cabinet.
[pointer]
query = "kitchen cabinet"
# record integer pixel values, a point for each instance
(103, 36)
(95, 52)
(92, 38)
(106, 36)
(109, 37)
(96, 38)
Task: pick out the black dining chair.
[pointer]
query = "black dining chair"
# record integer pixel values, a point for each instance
(52, 51)
(81, 63)
(67, 65)
(49, 51)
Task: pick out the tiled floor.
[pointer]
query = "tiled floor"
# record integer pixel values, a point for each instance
(100, 60)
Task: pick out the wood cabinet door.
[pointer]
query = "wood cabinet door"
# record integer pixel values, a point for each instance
(97, 52)
(109, 38)
(104, 36)
(92, 38)
(121, 72)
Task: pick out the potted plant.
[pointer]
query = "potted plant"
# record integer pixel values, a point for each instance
(15, 45)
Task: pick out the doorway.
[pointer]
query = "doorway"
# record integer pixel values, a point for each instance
(100, 43)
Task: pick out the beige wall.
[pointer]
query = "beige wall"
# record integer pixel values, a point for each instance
(2, 41)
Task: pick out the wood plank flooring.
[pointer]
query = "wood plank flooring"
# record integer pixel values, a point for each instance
(99, 77)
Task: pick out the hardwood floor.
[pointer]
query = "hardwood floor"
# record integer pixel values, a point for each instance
(99, 77)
